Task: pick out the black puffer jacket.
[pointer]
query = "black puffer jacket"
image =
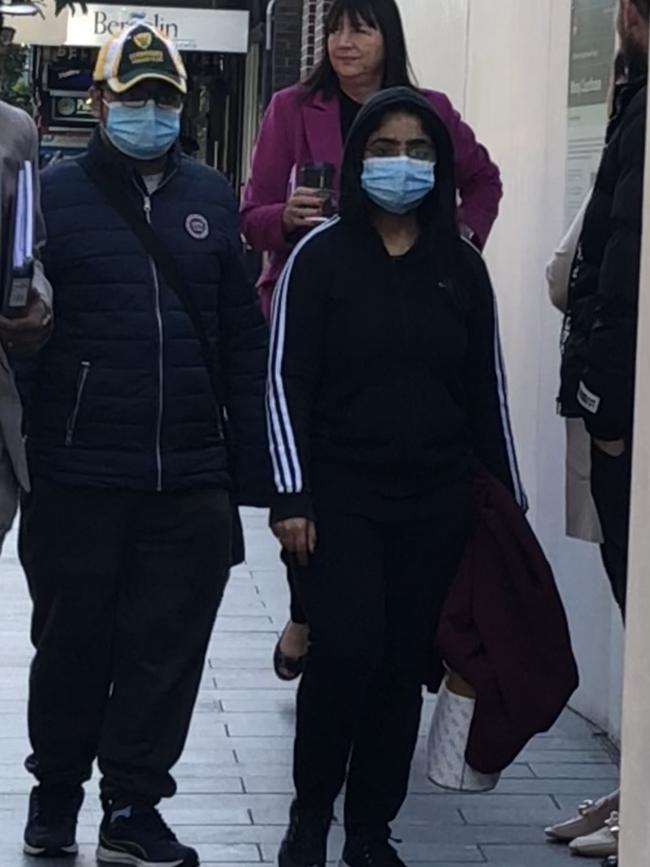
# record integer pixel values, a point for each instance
(599, 354)
(121, 396)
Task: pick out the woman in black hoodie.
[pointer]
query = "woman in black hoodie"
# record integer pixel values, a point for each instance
(386, 385)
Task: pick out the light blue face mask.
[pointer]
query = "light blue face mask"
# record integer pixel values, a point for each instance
(398, 184)
(145, 133)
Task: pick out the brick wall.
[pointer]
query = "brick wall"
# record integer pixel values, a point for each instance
(313, 33)
(323, 8)
(298, 39)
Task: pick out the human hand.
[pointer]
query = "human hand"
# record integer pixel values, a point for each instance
(27, 333)
(614, 448)
(302, 209)
(298, 537)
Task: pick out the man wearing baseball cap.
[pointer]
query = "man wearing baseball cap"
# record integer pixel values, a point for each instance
(146, 422)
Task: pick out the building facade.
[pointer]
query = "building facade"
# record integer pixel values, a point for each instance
(298, 39)
(220, 42)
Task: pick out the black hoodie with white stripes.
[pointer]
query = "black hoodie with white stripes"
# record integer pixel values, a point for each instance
(385, 374)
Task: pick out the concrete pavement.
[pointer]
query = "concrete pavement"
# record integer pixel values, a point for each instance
(234, 778)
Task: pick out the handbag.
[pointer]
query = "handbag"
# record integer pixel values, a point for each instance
(168, 268)
(447, 765)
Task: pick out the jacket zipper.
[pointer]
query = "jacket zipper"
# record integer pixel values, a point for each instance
(159, 320)
(81, 385)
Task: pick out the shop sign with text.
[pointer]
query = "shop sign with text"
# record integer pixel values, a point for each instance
(216, 30)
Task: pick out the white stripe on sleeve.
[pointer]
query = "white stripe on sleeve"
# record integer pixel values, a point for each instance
(284, 453)
(520, 494)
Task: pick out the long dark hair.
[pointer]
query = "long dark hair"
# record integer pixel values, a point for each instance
(384, 16)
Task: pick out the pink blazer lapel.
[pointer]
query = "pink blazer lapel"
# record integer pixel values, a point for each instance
(322, 122)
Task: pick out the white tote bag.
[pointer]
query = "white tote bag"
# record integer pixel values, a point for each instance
(448, 739)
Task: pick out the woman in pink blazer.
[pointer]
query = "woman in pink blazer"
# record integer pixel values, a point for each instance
(308, 123)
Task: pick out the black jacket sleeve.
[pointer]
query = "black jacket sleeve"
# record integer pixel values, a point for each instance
(243, 341)
(297, 339)
(486, 386)
(606, 392)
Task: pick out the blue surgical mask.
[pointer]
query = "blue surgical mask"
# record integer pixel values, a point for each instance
(398, 184)
(144, 133)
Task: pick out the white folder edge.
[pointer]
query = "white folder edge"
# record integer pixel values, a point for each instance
(29, 226)
(24, 229)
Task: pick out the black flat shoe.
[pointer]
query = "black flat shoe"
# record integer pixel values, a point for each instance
(286, 667)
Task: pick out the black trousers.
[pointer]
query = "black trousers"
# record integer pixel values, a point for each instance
(373, 593)
(125, 587)
(611, 485)
(296, 607)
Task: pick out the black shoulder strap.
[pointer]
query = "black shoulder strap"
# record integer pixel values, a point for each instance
(164, 260)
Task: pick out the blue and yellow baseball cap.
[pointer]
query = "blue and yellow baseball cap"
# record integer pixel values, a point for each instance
(140, 53)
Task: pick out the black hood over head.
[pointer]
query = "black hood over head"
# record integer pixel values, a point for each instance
(438, 212)
(440, 206)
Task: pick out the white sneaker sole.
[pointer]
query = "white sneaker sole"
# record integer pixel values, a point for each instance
(39, 852)
(108, 856)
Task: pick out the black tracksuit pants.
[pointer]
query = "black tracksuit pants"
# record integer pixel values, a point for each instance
(611, 486)
(296, 607)
(373, 592)
(126, 587)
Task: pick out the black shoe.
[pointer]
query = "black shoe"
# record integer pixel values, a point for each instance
(368, 852)
(52, 822)
(305, 843)
(287, 668)
(139, 837)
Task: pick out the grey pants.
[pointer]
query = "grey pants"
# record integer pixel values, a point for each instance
(8, 494)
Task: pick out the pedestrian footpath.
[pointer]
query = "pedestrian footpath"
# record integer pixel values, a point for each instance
(234, 782)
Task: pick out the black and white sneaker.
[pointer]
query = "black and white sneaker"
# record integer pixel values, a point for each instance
(367, 852)
(305, 843)
(51, 830)
(139, 837)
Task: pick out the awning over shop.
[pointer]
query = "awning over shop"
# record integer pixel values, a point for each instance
(223, 31)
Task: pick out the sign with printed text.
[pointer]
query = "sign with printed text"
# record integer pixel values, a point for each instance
(214, 30)
(593, 43)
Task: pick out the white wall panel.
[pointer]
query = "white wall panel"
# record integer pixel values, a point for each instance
(437, 41)
(508, 91)
(513, 91)
(516, 100)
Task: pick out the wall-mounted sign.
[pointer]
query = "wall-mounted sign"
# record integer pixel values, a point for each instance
(71, 111)
(63, 143)
(223, 31)
(593, 41)
(220, 30)
(68, 78)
